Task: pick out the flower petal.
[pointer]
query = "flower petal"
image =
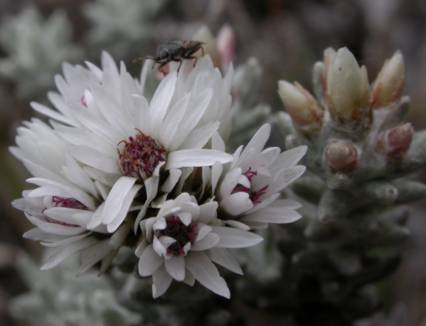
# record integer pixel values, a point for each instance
(205, 272)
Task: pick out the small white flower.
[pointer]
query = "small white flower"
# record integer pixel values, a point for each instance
(250, 186)
(183, 241)
(64, 201)
(125, 140)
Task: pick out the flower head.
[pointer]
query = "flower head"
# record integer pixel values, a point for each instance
(184, 240)
(248, 188)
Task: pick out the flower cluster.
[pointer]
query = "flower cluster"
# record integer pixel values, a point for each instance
(117, 167)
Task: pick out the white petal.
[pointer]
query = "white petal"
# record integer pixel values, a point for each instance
(205, 272)
(175, 266)
(208, 212)
(257, 143)
(196, 158)
(224, 258)
(237, 203)
(207, 242)
(235, 238)
(291, 157)
(273, 214)
(115, 199)
(149, 262)
(161, 282)
(161, 99)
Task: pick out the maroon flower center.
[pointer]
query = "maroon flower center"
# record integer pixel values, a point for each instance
(182, 233)
(140, 155)
(255, 195)
(65, 202)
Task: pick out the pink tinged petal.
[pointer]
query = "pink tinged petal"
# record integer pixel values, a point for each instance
(161, 282)
(175, 266)
(205, 272)
(185, 218)
(235, 238)
(207, 242)
(196, 158)
(55, 228)
(161, 99)
(273, 214)
(229, 182)
(53, 188)
(225, 259)
(149, 262)
(237, 203)
(265, 202)
(115, 199)
(257, 143)
(69, 215)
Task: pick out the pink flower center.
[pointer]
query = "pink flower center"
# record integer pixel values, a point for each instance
(255, 195)
(182, 233)
(139, 156)
(65, 202)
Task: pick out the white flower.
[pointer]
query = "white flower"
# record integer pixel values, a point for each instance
(248, 188)
(183, 241)
(125, 140)
(64, 201)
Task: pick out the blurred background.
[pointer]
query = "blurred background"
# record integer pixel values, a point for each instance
(286, 36)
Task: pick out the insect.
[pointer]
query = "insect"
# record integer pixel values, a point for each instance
(177, 51)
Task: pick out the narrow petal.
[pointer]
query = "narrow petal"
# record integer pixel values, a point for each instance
(205, 272)
(149, 262)
(209, 241)
(196, 158)
(175, 266)
(224, 258)
(161, 282)
(235, 238)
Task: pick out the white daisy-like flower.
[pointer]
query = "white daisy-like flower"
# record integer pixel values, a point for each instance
(124, 140)
(248, 189)
(184, 240)
(64, 201)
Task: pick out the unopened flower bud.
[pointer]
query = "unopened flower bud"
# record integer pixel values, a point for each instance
(300, 105)
(347, 91)
(210, 48)
(341, 156)
(395, 142)
(390, 82)
(226, 44)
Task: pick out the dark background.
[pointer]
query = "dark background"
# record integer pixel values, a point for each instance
(287, 37)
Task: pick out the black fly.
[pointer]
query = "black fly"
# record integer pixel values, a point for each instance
(177, 51)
